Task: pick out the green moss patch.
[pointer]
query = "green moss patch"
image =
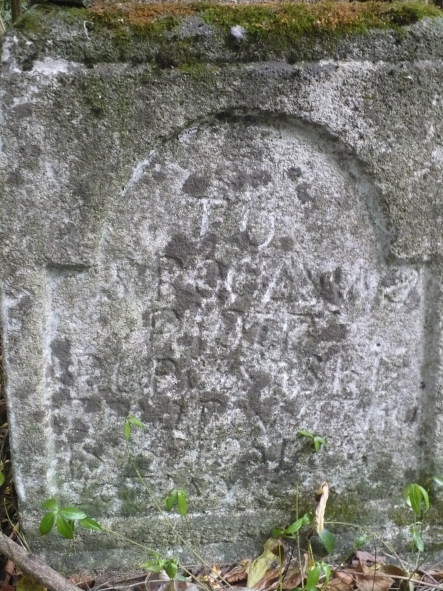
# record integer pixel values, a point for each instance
(171, 35)
(263, 21)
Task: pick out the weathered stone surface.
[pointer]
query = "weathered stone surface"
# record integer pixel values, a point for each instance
(230, 253)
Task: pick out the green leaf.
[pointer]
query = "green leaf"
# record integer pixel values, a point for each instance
(406, 493)
(418, 540)
(180, 577)
(327, 572)
(136, 422)
(47, 523)
(72, 514)
(327, 539)
(306, 434)
(318, 442)
(296, 526)
(64, 528)
(154, 566)
(416, 497)
(171, 569)
(90, 524)
(50, 504)
(277, 532)
(2, 478)
(361, 541)
(170, 500)
(425, 495)
(127, 430)
(313, 577)
(438, 480)
(182, 503)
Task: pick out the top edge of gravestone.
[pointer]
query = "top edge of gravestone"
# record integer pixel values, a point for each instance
(186, 34)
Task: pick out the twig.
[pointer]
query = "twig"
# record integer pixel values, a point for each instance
(416, 582)
(35, 567)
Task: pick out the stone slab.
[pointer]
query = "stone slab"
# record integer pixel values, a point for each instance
(231, 253)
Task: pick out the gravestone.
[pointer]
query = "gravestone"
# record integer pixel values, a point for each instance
(229, 256)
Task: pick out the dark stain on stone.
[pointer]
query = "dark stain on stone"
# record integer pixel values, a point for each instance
(260, 380)
(83, 189)
(212, 274)
(187, 298)
(303, 194)
(333, 332)
(207, 245)
(239, 181)
(165, 367)
(30, 152)
(165, 412)
(193, 344)
(259, 178)
(230, 320)
(192, 378)
(158, 176)
(294, 173)
(97, 450)
(25, 304)
(15, 178)
(286, 243)
(92, 405)
(214, 402)
(223, 296)
(120, 407)
(22, 111)
(330, 286)
(411, 415)
(195, 185)
(61, 350)
(242, 241)
(180, 249)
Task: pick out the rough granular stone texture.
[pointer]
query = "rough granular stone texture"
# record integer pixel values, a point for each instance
(230, 252)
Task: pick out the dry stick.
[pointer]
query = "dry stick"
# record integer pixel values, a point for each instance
(35, 567)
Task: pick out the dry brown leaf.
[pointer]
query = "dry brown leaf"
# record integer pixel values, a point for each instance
(82, 581)
(373, 580)
(323, 491)
(292, 578)
(366, 558)
(238, 572)
(431, 576)
(345, 576)
(393, 570)
(270, 581)
(338, 584)
(9, 568)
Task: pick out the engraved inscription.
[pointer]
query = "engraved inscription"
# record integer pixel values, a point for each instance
(241, 293)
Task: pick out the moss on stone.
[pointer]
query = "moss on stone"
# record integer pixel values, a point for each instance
(166, 34)
(264, 21)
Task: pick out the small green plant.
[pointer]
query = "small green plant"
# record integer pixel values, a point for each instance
(65, 519)
(320, 570)
(316, 440)
(129, 423)
(177, 497)
(417, 498)
(169, 565)
(290, 532)
(311, 522)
